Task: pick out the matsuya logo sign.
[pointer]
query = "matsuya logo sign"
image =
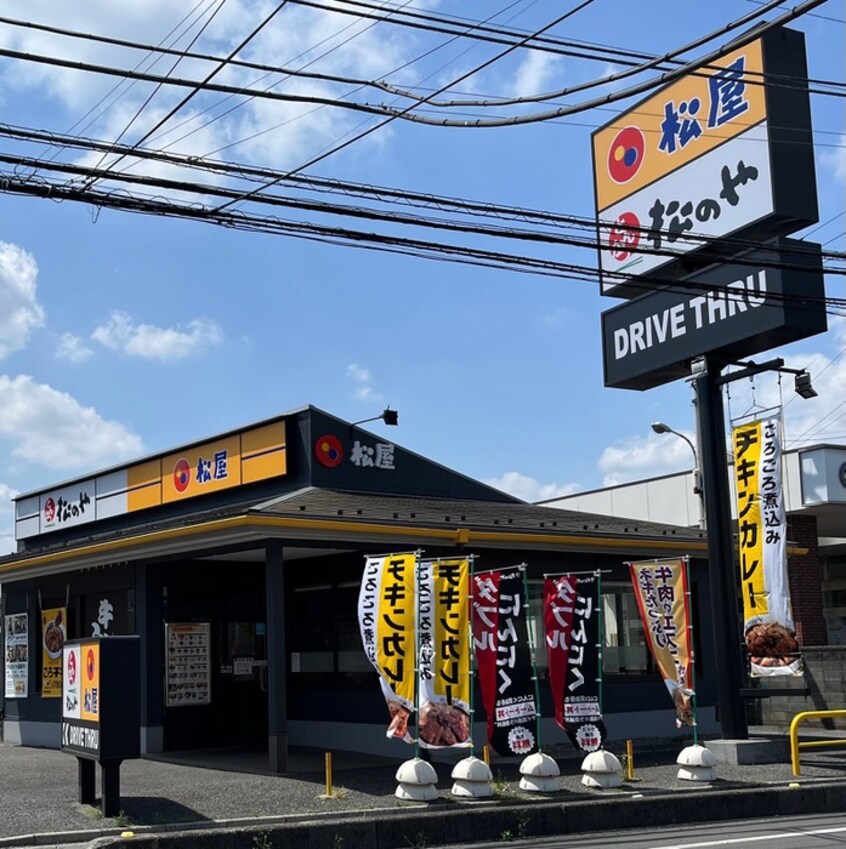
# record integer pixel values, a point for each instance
(717, 153)
(331, 452)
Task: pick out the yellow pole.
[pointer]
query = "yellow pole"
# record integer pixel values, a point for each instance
(328, 760)
(629, 760)
(486, 755)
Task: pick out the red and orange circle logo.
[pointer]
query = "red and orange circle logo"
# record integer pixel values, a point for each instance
(329, 451)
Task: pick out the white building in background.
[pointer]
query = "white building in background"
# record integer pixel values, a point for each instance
(814, 488)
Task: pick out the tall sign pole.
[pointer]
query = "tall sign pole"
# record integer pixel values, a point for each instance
(721, 570)
(696, 188)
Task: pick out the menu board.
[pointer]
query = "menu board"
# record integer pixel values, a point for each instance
(17, 656)
(188, 663)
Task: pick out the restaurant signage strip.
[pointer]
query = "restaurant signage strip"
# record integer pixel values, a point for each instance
(571, 618)
(661, 591)
(712, 155)
(443, 640)
(503, 660)
(762, 537)
(386, 619)
(242, 458)
(731, 310)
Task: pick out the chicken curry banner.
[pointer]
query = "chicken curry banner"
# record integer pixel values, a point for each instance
(386, 615)
(444, 644)
(660, 588)
(762, 535)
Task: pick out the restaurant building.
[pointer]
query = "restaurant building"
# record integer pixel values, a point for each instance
(237, 560)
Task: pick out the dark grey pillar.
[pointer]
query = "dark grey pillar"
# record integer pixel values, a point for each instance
(721, 569)
(277, 659)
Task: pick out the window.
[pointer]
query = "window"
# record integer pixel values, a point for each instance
(624, 645)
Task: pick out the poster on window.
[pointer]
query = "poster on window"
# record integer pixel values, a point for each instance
(504, 663)
(386, 613)
(762, 533)
(17, 656)
(53, 635)
(188, 663)
(443, 624)
(660, 588)
(571, 627)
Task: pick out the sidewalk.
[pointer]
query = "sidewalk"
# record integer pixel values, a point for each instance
(175, 804)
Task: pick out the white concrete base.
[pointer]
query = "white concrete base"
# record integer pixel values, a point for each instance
(472, 779)
(602, 780)
(601, 770)
(697, 764)
(539, 774)
(417, 780)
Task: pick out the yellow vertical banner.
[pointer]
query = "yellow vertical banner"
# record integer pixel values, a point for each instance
(444, 652)
(90, 703)
(386, 613)
(661, 592)
(762, 549)
(53, 636)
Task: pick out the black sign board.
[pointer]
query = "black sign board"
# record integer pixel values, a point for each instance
(101, 699)
(732, 310)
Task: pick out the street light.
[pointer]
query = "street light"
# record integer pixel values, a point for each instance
(660, 427)
(388, 416)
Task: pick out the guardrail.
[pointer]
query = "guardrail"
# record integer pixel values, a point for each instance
(795, 745)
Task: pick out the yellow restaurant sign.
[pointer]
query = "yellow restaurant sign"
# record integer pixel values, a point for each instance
(683, 121)
(234, 460)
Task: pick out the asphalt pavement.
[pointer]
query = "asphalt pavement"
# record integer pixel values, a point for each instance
(190, 800)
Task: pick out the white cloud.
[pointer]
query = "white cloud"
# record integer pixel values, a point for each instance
(535, 74)
(296, 36)
(529, 489)
(7, 533)
(645, 457)
(53, 429)
(72, 349)
(20, 312)
(364, 384)
(120, 333)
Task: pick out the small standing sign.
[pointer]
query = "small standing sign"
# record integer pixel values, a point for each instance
(101, 712)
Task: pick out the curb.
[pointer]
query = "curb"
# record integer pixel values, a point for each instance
(437, 826)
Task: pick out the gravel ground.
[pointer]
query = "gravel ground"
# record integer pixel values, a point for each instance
(40, 790)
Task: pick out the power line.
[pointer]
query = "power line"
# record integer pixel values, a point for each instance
(546, 219)
(270, 224)
(221, 65)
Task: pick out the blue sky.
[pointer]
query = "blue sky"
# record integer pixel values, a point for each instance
(123, 334)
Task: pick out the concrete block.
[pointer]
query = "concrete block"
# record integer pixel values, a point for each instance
(750, 751)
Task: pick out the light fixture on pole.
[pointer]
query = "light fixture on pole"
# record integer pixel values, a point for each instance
(660, 427)
(388, 416)
(802, 385)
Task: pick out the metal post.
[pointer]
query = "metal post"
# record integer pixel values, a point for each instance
(721, 571)
(277, 659)
(110, 785)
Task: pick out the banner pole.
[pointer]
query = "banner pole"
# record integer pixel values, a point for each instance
(600, 640)
(690, 649)
(472, 699)
(417, 654)
(532, 650)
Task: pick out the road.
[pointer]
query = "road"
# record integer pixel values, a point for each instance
(808, 832)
